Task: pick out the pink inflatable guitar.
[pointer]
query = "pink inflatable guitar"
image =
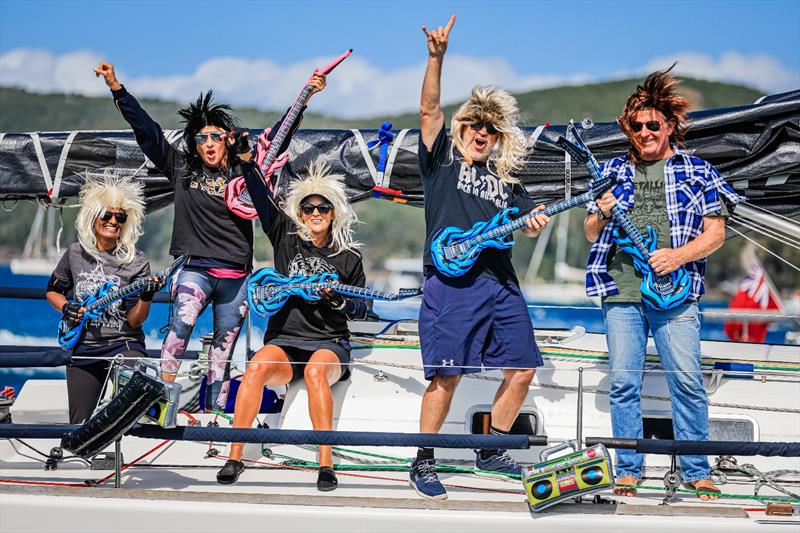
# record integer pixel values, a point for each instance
(267, 160)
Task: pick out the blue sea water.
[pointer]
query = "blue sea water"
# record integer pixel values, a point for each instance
(34, 323)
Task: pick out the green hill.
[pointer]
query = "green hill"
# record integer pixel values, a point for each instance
(25, 111)
(388, 229)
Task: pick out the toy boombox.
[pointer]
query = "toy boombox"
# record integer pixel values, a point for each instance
(577, 474)
(165, 411)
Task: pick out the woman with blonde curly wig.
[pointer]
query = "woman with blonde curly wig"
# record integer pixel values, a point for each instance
(109, 223)
(311, 232)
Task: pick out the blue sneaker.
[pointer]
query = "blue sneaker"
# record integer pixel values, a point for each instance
(497, 466)
(424, 480)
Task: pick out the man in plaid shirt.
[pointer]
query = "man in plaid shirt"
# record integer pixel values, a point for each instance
(679, 196)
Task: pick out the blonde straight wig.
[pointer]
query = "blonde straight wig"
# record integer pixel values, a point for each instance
(111, 191)
(331, 187)
(498, 107)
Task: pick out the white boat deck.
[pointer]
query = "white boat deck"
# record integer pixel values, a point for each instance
(174, 487)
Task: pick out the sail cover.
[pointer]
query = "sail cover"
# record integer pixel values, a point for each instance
(755, 147)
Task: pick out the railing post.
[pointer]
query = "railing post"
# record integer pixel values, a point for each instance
(117, 443)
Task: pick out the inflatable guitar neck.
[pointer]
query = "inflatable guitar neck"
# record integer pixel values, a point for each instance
(105, 295)
(454, 250)
(237, 196)
(268, 290)
(659, 292)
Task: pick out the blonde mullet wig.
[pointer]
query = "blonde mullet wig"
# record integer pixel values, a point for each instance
(331, 187)
(498, 107)
(111, 191)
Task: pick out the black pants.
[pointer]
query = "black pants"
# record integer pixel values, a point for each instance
(84, 385)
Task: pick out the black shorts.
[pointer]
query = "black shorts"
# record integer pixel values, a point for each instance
(300, 351)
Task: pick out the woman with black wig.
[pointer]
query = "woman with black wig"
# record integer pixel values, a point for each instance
(219, 244)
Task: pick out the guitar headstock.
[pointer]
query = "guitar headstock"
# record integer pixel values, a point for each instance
(409, 293)
(176, 265)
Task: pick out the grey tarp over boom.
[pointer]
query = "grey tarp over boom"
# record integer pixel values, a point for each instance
(756, 147)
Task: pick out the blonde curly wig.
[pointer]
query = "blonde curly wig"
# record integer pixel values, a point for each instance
(498, 107)
(111, 191)
(331, 187)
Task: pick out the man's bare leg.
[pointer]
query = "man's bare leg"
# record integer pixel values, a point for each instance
(436, 403)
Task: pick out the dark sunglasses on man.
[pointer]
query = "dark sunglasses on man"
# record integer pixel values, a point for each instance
(652, 125)
(202, 138)
(323, 208)
(478, 126)
(108, 215)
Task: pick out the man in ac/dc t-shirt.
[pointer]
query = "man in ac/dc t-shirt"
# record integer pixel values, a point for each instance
(479, 319)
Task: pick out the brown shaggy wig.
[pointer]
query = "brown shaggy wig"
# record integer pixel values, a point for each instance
(657, 92)
(204, 112)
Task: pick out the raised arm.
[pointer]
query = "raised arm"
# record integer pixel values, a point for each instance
(149, 135)
(431, 117)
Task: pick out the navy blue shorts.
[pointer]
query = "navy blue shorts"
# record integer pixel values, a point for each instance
(474, 322)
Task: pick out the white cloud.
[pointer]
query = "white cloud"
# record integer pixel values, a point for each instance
(357, 88)
(755, 70)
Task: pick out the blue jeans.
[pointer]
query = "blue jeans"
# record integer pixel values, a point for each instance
(194, 289)
(676, 333)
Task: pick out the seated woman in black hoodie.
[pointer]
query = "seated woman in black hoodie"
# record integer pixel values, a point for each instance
(311, 233)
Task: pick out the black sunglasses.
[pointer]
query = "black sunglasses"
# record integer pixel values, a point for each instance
(478, 126)
(108, 215)
(652, 125)
(323, 208)
(202, 138)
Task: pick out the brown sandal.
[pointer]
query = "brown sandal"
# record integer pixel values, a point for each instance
(627, 490)
(707, 491)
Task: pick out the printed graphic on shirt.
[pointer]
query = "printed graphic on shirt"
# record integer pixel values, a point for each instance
(484, 186)
(306, 266)
(213, 186)
(87, 283)
(650, 200)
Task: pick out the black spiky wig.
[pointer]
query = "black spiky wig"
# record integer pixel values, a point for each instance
(204, 112)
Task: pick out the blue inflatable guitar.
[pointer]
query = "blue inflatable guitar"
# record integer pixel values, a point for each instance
(659, 292)
(105, 295)
(268, 290)
(454, 250)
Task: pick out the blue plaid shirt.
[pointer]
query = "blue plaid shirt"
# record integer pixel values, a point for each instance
(692, 186)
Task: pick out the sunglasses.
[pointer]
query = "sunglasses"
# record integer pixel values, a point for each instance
(108, 215)
(202, 138)
(652, 125)
(478, 126)
(324, 208)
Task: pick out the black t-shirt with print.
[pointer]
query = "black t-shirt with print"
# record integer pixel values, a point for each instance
(203, 224)
(299, 318)
(459, 195)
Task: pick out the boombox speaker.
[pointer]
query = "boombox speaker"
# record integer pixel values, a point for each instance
(580, 473)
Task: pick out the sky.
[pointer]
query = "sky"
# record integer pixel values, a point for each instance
(261, 53)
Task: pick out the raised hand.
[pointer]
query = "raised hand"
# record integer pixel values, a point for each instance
(237, 140)
(318, 82)
(107, 71)
(437, 38)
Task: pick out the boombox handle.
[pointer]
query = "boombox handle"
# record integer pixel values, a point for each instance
(570, 444)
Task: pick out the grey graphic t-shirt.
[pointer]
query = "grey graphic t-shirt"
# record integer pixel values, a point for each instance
(79, 271)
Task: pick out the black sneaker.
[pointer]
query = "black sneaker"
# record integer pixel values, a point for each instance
(229, 472)
(326, 481)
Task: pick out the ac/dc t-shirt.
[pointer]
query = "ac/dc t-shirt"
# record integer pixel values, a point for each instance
(459, 195)
(79, 272)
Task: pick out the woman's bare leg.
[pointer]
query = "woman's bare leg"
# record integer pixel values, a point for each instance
(322, 370)
(269, 367)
